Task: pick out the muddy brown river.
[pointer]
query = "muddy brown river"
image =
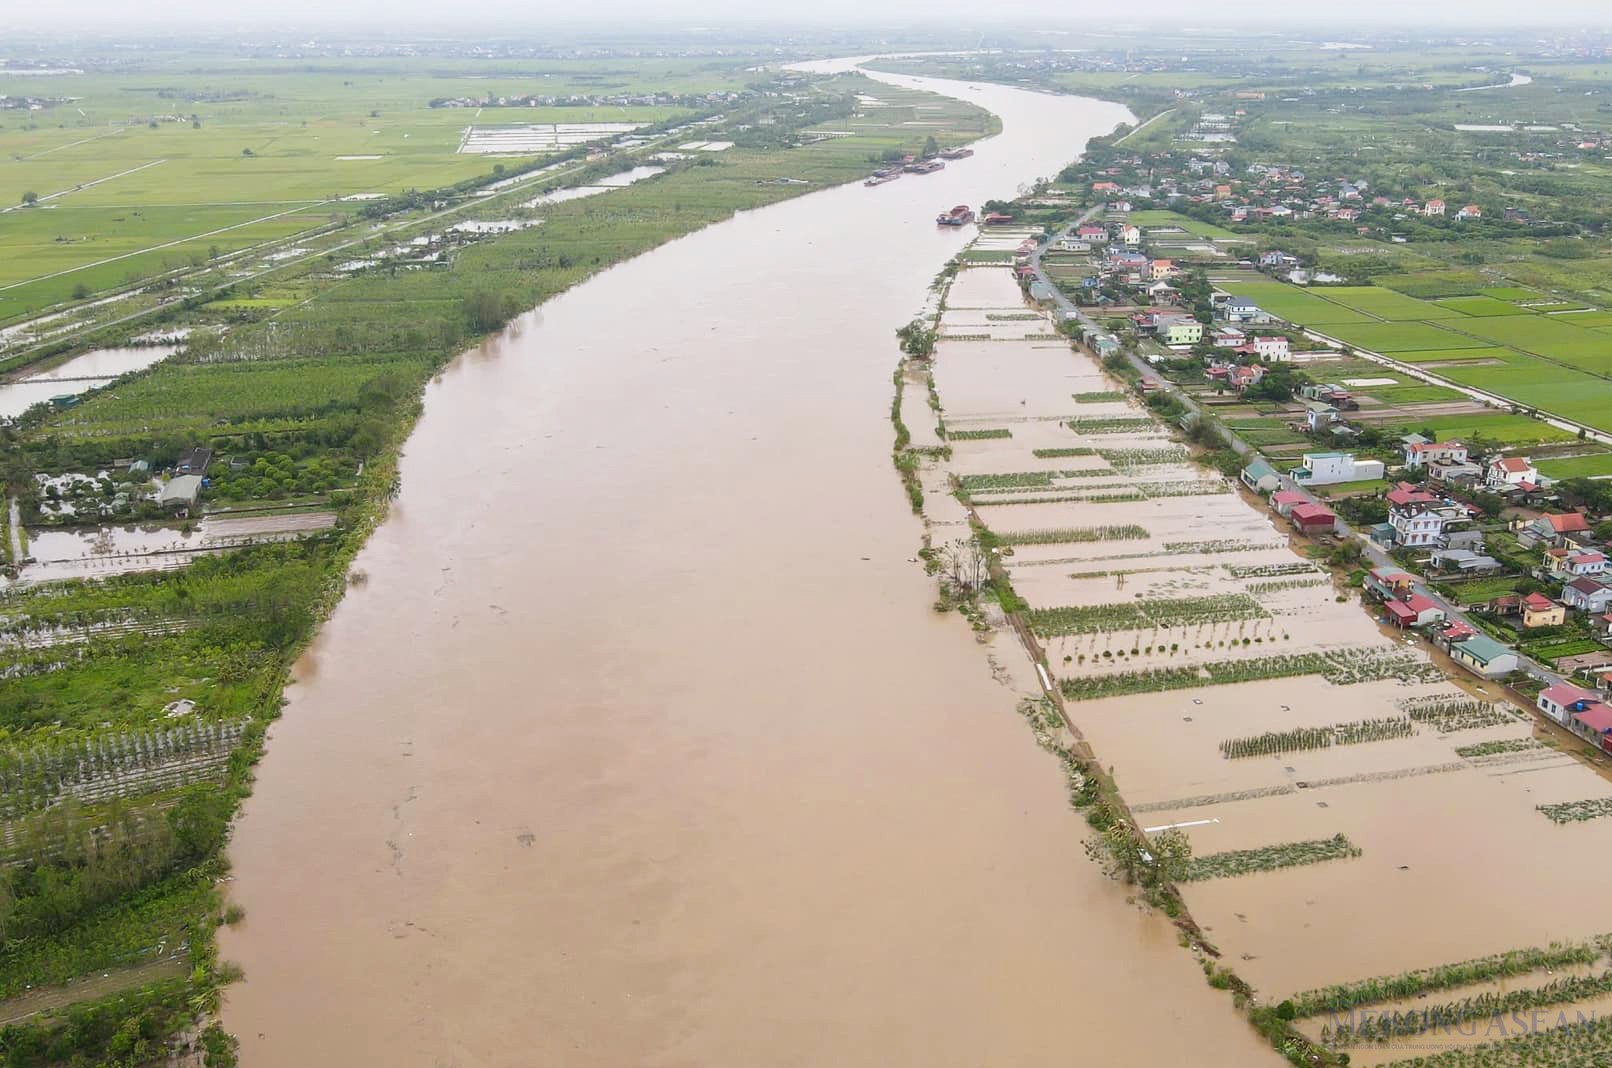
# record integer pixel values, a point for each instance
(642, 745)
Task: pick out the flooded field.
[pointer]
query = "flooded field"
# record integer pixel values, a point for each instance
(81, 373)
(1242, 697)
(117, 549)
(615, 181)
(641, 744)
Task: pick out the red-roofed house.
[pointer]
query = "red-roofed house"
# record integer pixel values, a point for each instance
(1563, 699)
(1414, 611)
(1585, 563)
(1390, 583)
(1312, 519)
(1540, 611)
(1433, 207)
(1564, 529)
(1284, 501)
(1511, 471)
(1603, 626)
(1404, 493)
(1471, 211)
(1594, 724)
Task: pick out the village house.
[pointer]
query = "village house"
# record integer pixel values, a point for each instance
(1242, 310)
(1179, 331)
(1389, 583)
(1415, 610)
(1564, 700)
(1479, 653)
(1421, 454)
(1421, 520)
(1159, 270)
(1540, 611)
(1130, 235)
(1332, 468)
(1096, 235)
(1273, 348)
(193, 461)
(1284, 501)
(1576, 564)
(1260, 477)
(1588, 595)
(1564, 530)
(1228, 337)
(1471, 211)
(1312, 519)
(1454, 471)
(1433, 207)
(179, 494)
(1511, 472)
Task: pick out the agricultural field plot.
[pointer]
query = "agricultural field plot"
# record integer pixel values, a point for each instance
(1387, 304)
(1472, 355)
(1393, 338)
(1308, 757)
(161, 169)
(1481, 306)
(1540, 384)
(1594, 465)
(1295, 305)
(1548, 337)
(1502, 428)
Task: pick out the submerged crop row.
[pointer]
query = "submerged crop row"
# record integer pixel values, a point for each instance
(1341, 667)
(1508, 745)
(1142, 614)
(1272, 743)
(1578, 811)
(1346, 996)
(1269, 858)
(979, 435)
(1449, 714)
(1382, 1026)
(1058, 536)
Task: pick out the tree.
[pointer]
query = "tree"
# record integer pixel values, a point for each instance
(30, 198)
(931, 146)
(1172, 855)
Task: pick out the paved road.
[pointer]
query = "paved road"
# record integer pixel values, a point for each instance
(1370, 549)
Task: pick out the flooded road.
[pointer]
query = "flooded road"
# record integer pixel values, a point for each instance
(641, 744)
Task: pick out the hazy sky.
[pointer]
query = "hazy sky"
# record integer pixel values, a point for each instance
(527, 15)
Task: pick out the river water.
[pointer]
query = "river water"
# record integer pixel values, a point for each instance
(641, 744)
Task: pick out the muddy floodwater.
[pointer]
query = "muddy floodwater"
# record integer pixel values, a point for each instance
(641, 744)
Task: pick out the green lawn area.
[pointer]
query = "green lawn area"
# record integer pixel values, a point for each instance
(1387, 304)
(1598, 465)
(1510, 293)
(1353, 489)
(1404, 337)
(1482, 306)
(1477, 591)
(1294, 304)
(1147, 219)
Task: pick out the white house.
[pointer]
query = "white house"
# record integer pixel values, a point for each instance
(1559, 702)
(1273, 349)
(1228, 337)
(1511, 471)
(1331, 468)
(1420, 525)
(1433, 207)
(1242, 310)
(1587, 595)
(1471, 211)
(1131, 235)
(1420, 454)
(1584, 563)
